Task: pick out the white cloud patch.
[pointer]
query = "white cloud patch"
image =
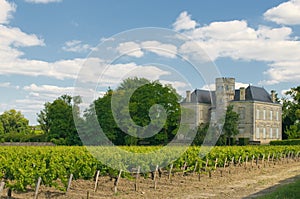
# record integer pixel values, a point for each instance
(287, 13)
(235, 39)
(131, 49)
(184, 22)
(6, 10)
(212, 87)
(165, 50)
(76, 46)
(5, 84)
(135, 49)
(43, 1)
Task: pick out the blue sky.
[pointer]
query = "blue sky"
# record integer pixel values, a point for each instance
(44, 43)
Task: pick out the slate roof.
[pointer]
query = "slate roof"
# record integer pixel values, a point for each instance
(203, 96)
(253, 93)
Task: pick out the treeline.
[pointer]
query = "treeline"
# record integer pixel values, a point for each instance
(56, 120)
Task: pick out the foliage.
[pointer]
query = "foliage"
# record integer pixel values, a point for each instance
(56, 120)
(21, 137)
(128, 122)
(21, 166)
(201, 134)
(230, 127)
(285, 142)
(291, 114)
(13, 121)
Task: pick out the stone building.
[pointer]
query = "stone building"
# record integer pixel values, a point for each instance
(260, 114)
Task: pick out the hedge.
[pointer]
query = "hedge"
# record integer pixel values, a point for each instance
(286, 142)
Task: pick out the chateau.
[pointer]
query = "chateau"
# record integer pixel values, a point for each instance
(259, 113)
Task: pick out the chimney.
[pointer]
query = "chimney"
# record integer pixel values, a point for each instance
(242, 94)
(273, 96)
(188, 96)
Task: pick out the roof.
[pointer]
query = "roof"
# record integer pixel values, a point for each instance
(203, 96)
(254, 93)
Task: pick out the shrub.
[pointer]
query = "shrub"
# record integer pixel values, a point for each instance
(286, 142)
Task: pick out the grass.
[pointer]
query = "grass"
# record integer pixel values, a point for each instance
(288, 191)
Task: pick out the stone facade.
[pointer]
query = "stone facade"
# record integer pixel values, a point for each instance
(260, 115)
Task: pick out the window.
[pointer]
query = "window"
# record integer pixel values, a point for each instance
(271, 133)
(257, 114)
(277, 115)
(242, 112)
(277, 133)
(264, 114)
(264, 133)
(241, 131)
(271, 115)
(257, 132)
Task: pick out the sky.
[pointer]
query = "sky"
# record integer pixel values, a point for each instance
(45, 45)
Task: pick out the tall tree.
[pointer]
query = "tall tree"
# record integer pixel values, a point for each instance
(291, 114)
(14, 122)
(230, 127)
(130, 113)
(57, 121)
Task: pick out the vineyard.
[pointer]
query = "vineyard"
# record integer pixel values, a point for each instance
(22, 167)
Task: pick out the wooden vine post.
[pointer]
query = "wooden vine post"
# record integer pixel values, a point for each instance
(117, 182)
(246, 162)
(184, 168)
(96, 181)
(2, 184)
(37, 188)
(69, 182)
(136, 185)
(170, 171)
(155, 178)
(206, 164)
(195, 168)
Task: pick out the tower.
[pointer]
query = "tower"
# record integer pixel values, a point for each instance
(225, 89)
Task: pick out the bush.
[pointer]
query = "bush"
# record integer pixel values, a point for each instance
(286, 142)
(21, 137)
(243, 141)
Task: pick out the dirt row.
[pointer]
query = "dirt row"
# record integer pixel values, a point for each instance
(230, 182)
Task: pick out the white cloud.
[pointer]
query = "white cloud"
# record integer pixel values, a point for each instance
(8, 85)
(212, 87)
(6, 10)
(43, 1)
(130, 48)
(161, 49)
(184, 22)
(287, 13)
(76, 46)
(237, 40)
(5, 84)
(135, 49)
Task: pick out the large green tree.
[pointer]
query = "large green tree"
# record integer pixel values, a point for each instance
(230, 127)
(13, 121)
(291, 114)
(147, 104)
(56, 120)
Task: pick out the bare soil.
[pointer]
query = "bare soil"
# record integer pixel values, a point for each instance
(235, 182)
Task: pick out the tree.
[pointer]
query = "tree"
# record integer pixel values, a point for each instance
(291, 114)
(201, 134)
(57, 121)
(130, 113)
(14, 122)
(1, 128)
(230, 127)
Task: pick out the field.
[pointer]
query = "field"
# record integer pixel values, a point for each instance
(21, 168)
